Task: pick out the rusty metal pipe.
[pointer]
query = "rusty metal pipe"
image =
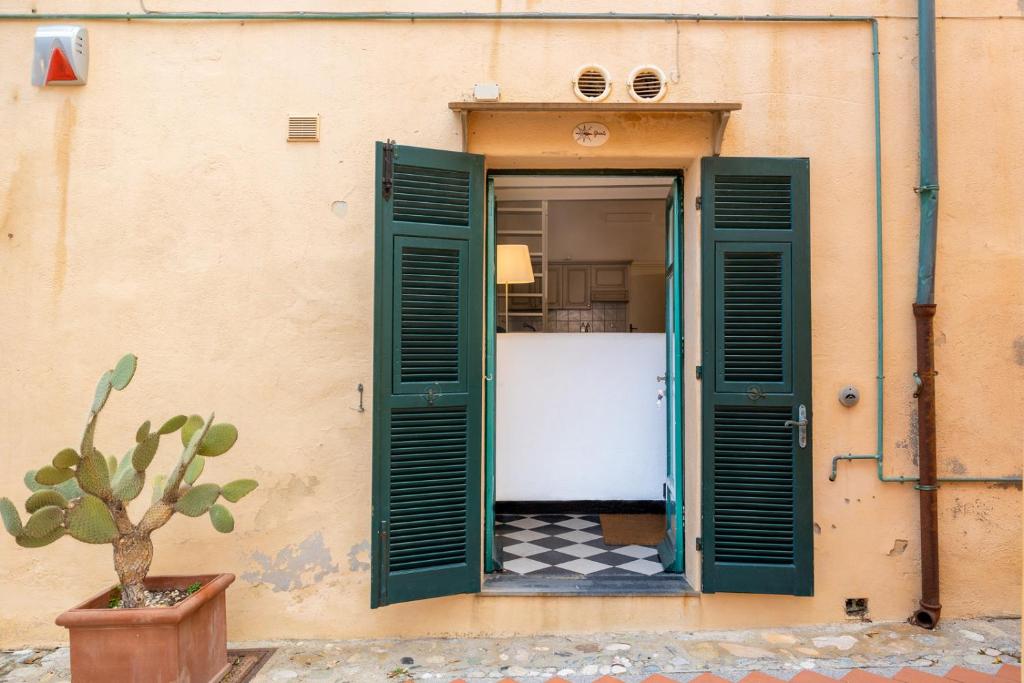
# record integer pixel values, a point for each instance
(927, 614)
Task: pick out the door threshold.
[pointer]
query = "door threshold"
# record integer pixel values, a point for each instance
(516, 584)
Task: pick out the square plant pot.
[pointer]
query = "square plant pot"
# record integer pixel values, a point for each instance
(186, 643)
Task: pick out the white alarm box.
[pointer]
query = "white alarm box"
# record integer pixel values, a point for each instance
(61, 56)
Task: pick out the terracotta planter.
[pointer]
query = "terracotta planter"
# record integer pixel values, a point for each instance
(186, 643)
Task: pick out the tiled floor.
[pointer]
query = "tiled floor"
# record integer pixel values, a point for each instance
(555, 545)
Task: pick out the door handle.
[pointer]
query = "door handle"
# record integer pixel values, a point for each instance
(800, 424)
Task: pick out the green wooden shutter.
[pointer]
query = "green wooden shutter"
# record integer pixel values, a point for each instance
(427, 374)
(757, 514)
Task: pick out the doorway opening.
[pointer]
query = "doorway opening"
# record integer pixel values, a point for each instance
(583, 471)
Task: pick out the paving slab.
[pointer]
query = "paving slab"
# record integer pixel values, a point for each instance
(834, 651)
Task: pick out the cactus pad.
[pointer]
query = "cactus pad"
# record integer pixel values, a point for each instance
(222, 519)
(51, 476)
(12, 521)
(111, 465)
(172, 425)
(41, 499)
(123, 372)
(90, 521)
(66, 458)
(128, 486)
(102, 392)
(44, 521)
(235, 490)
(26, 541)
(69, 489)
(142, 432)
(30, 481)
(197, 500)
(218, 440)
(93, 475)
(144, 452)
(192, 424)
(194, 470)
(159, 482)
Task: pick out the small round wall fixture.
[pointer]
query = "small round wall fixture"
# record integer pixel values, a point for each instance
(591, 83)
(647, 83)
(590, 134)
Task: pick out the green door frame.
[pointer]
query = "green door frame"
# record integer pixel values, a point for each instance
(492, 561)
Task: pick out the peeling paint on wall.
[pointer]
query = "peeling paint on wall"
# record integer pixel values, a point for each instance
(955, 466)
(294, 566)
(899, 546)
(359, 557)
(910, 443)
(976, 509)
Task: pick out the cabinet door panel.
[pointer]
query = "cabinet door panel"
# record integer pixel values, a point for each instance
(554, 283)
(609, 277)
(576, 285)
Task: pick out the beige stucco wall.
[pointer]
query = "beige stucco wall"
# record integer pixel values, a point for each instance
(159, 210)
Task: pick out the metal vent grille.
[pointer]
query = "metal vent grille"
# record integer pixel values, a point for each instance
(431, 195)
(591, 83)
(647, 84)
(752, 319)
(428, 487)
(754, 496)
(754, 202)
(429, 315)
(303, 129)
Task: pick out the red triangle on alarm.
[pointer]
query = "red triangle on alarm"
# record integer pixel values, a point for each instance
(60, 68)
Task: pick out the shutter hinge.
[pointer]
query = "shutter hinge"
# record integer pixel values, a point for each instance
(389, 169)
(700, 544)
(698, 202)
(699, 371)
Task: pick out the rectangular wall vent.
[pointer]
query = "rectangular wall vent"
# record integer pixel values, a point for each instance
(304, 128)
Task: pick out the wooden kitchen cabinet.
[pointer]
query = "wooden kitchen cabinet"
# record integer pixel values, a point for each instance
(579, 285)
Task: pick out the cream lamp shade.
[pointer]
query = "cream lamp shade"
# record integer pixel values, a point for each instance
(514, 264)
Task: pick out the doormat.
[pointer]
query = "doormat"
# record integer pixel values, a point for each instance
(246, 663)
(633, 529)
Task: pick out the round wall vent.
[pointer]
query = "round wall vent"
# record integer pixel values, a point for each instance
(591, 83)
(647, 83)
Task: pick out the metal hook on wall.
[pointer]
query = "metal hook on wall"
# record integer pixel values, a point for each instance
(360, 409)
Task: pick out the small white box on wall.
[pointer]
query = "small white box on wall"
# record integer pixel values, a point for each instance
(61, 56)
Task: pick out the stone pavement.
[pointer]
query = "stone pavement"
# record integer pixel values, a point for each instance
(983, 645)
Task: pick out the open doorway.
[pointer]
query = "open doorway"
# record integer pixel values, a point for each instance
(584, 475)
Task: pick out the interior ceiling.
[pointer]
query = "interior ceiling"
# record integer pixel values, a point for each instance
(580, 187)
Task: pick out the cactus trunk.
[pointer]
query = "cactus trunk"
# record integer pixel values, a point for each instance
(133, 554)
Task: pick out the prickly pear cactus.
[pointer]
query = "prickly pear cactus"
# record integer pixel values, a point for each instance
(84, 494)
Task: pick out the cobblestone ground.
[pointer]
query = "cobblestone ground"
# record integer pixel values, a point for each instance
(979, 644)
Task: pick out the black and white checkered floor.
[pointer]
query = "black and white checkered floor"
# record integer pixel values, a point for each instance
(556, 545)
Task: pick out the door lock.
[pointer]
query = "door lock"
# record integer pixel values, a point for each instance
(800, 424)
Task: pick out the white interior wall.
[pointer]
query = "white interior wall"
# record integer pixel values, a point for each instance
(602, 230)
(577, 417)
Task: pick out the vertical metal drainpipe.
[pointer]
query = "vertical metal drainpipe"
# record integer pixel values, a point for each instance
(930, 607)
